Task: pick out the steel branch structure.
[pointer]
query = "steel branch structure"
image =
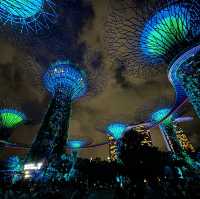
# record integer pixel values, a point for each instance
(27, 15)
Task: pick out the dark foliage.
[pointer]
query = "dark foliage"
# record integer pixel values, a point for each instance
(140, 160)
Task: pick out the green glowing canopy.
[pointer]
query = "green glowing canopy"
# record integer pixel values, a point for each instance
(159, 115)
(161, 38)
(166, 28)
(11, 118)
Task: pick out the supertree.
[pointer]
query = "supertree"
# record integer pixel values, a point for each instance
(29, 15)
(115, 132)
(75, 146)
(158, 33)
(165, 126)
(168, 131)
(9, 119)
(66, 83)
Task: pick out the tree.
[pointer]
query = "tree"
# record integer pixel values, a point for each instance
(140, 160)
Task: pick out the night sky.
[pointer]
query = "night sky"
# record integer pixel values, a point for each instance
(114, 94)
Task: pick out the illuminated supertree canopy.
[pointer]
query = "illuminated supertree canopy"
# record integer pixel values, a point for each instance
(166, 28)
(31, 15)
(157, 32)
(10, 118)
(77, 144)
(64, 76)
(158, 115)
(66, 83)
(116, 129)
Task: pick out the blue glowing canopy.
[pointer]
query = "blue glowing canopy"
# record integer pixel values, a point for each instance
(28, 14)
(77, 144)
(64, 76)
(116, 130)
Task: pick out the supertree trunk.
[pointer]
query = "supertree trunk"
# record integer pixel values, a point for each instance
(53, 134)
(189, 76)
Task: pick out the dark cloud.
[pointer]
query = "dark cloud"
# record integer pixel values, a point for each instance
(63, 39)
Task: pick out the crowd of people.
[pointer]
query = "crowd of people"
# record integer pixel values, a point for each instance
(140, 171)
(86, 185)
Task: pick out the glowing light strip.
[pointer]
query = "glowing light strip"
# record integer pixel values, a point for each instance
(183, 119)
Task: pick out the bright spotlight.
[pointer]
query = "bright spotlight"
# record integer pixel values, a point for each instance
(33, 166)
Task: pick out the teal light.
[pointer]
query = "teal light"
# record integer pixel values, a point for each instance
(22, 8)
(116, 130)
(77, 144)
(159, 115)
(164, 29)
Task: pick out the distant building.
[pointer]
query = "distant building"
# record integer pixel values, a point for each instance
(183, 139)
(112, 148)
(113, 143)
(147, 134)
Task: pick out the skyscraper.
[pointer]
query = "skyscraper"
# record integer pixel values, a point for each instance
(147, 134)
(112, 148)
(183, 139)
